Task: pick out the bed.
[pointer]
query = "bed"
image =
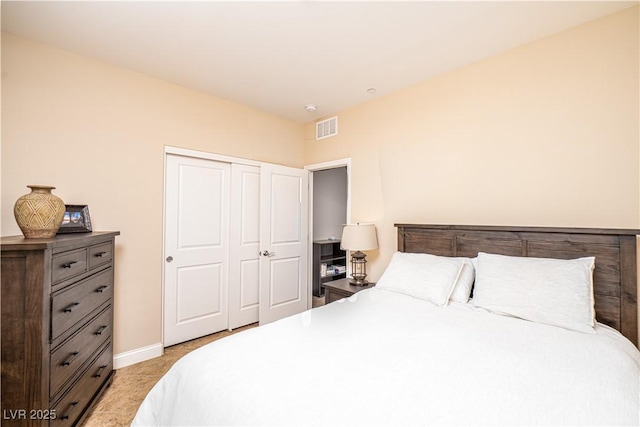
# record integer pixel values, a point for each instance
(403, 353)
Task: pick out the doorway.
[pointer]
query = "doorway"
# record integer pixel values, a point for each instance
(330, 203)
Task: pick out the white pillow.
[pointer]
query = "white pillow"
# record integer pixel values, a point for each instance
(423, 276)
(544, 290)
(462, 289)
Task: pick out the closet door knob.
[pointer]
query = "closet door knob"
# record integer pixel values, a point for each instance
(169, 258)
(267, 253)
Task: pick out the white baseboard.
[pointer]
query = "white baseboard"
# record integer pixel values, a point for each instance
(138, 355)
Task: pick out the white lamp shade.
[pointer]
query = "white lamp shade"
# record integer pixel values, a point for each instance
(359, 237)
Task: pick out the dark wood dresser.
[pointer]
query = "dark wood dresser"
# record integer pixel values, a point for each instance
(57, 324)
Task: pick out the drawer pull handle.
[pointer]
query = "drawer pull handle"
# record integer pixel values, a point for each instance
(70, 307)
(100, 254)
(99, 373)
(69, 264)
(71, 409)
(101, 330)
(101, 289)
(70, 359)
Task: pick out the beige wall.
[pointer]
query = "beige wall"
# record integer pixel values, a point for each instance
(97, 133)
(545, 134)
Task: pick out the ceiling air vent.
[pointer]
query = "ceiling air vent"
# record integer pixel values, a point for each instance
(327, 128)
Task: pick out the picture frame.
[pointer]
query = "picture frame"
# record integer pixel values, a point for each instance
(76, 220)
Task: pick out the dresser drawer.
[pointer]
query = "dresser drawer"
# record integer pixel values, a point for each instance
(69, 409)
(75, 302)
(100, 254)
(75, 352)
(68, 264)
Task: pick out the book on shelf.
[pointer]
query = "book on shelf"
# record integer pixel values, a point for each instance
(331, 270)
(339, 269)
(323, 269)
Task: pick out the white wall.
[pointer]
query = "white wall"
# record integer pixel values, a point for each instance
(329, 203)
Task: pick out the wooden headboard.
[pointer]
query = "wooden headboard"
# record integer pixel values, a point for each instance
(615, 275)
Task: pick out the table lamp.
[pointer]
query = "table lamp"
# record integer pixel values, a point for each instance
(358, 238)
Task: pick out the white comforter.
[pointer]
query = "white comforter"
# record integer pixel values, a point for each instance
(381, 358)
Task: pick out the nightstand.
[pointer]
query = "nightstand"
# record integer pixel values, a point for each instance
(338, 289)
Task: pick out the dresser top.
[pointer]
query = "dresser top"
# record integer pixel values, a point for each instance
(13, 243)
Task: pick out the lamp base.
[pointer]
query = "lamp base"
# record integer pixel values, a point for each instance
(358, 282)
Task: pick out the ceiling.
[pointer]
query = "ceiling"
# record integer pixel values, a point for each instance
(280, 56)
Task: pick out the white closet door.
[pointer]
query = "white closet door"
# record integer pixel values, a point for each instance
(196, 248)
(284, 223)
(244, 263)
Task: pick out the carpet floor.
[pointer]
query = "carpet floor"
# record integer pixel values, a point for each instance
(120, 402)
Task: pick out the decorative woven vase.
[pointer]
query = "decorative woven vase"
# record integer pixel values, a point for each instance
(39, 213)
